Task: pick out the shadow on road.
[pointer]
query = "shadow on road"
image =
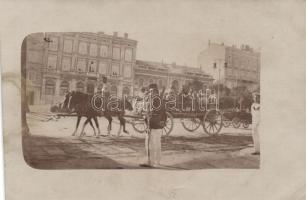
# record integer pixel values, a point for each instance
(43, 152)
(57, 153)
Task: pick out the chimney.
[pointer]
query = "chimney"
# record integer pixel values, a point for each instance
(115, 34)
(209, 43)
(126, 35)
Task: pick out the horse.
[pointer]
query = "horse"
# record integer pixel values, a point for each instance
(81, 103)
(117, 107)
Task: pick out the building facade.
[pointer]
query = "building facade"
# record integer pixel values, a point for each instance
(232, 66)
(61, 62)
(167, 75)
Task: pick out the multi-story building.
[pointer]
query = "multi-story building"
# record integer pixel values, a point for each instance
(61, 62)
(58, 62)
(232, 66)
(167, 75)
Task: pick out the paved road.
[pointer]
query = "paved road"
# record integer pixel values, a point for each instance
(51, 146)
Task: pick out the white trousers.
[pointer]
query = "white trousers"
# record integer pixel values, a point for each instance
(153, 146)
(255, 135)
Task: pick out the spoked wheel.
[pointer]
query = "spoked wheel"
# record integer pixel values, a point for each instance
(169, 125)
(226, 122)
(245, 124)
(139, 126)
(212, 122)
(236, 122)
(191, 124)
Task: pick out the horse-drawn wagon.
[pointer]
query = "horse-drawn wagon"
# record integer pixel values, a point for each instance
(237, 118)
(193, 113)
(190, 112)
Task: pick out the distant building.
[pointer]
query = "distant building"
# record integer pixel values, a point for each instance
(167, 75)
(237, 66)
(61, 62)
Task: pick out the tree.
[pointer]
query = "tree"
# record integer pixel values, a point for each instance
(226, 102)
(243, 96)
(224, 90)
(195, 85)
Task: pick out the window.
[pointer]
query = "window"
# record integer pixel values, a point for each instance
(35, 56)
(113, 90)
(93, 50)
(68, 46)
(160, 83)
(31, 76)
(52, 59)
(92, 66)
(53, 44)
(116, 53)
(102, 67)
(115, 69)
(140, 82)
(128, 54)
(80, 87)
(81, 66)
(66, 64)
(90, 88)
(127, 71)
(64, 88)
(126, 91)
(103, 50)
(49, 87)
(83, 48)
(37, 77)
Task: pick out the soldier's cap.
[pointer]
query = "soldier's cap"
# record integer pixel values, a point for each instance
(153, 86)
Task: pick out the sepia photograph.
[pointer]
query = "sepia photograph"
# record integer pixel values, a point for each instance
(154, 100)
(91, 102)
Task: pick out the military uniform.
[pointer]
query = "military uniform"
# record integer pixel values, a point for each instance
(255, 111)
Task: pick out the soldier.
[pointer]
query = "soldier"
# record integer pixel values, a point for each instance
(155, 120)
(255, 111)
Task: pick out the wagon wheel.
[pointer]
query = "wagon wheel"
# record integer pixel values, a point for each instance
(212, 122)
(245, 124)
(236, 122)
(169, 125)
(139, 126)
(191, 124)
(226, 122)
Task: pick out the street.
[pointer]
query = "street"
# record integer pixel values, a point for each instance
(51, 146)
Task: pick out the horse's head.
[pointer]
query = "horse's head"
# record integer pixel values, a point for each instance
(76, 98)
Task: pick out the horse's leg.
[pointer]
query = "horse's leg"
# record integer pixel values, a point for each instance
(90, 122)
(97, 125)
(120, 127)
(85, 123)
(77, 125)
(109, 126)
(122, 123)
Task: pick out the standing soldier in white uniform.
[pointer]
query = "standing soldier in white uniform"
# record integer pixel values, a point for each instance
(255, 111)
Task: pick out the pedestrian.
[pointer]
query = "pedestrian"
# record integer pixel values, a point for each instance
(156, 119)
(255, 111)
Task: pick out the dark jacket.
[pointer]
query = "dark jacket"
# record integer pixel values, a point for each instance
(157, 114)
